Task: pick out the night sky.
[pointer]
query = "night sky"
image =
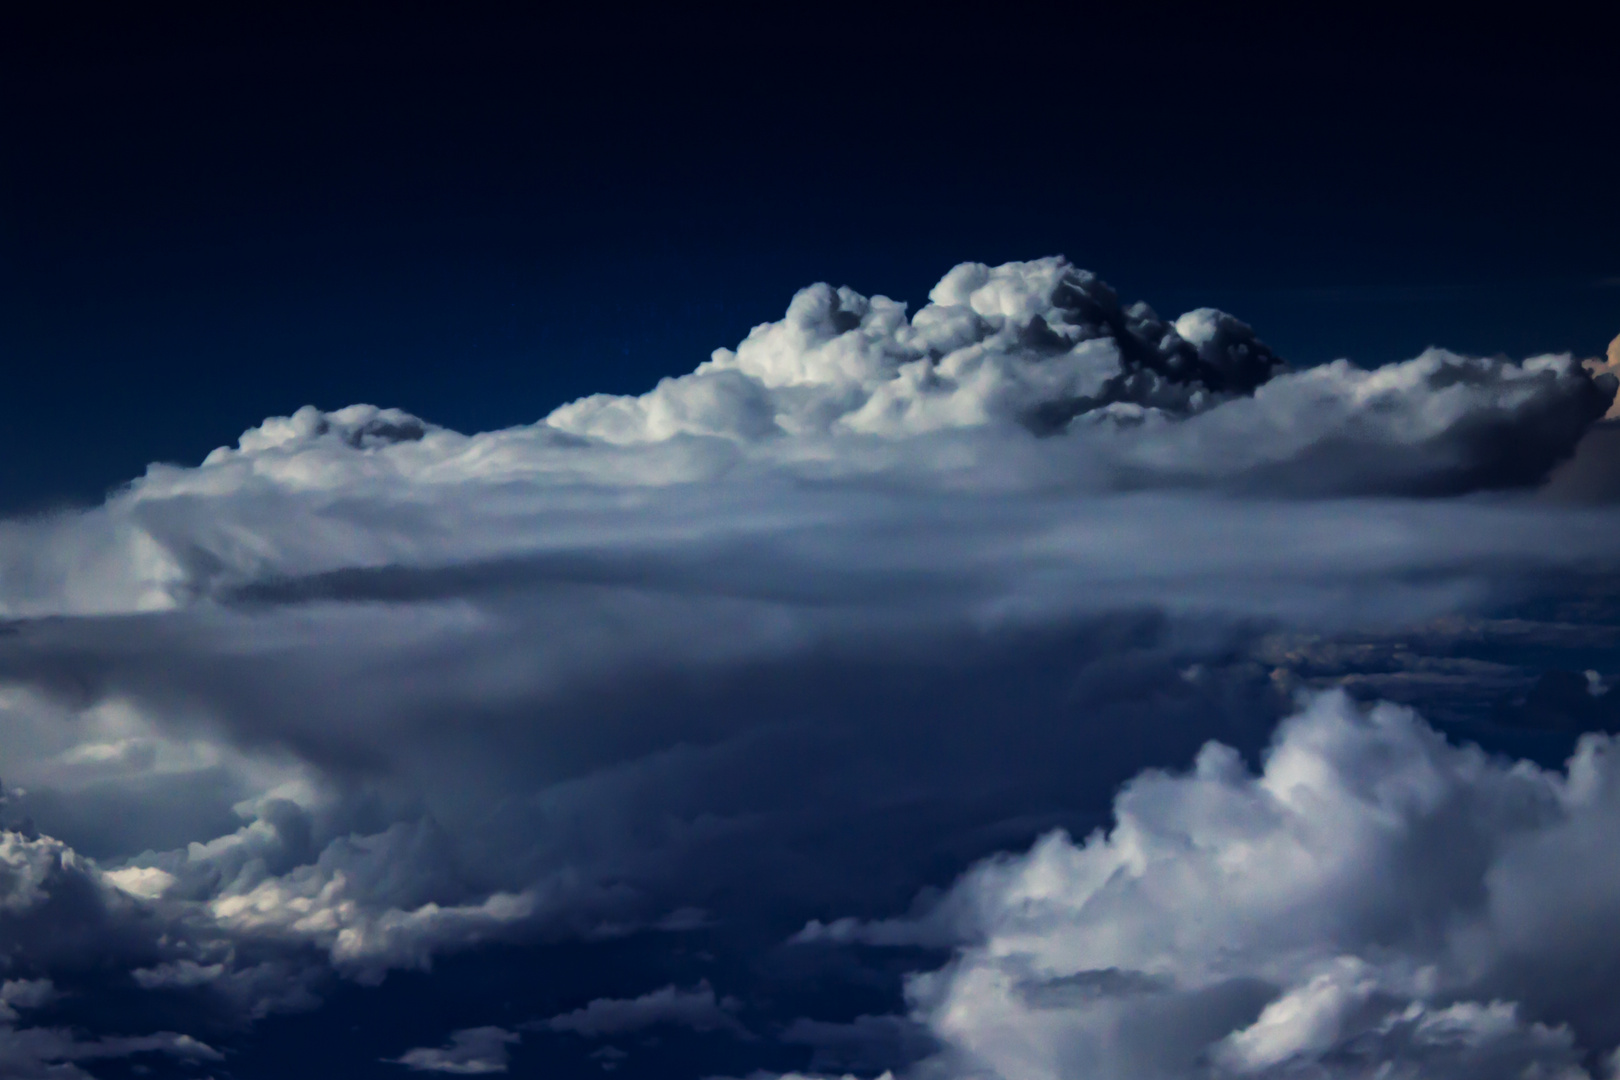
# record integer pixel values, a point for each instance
(412, 662)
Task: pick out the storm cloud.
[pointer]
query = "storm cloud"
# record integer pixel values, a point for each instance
(781, 644)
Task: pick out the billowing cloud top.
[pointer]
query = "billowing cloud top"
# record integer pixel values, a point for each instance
(1037, 348)
(1037, 344)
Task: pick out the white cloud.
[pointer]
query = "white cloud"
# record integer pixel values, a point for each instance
(1025, 347)
(146, 882)
(470, 1052)
(1376, 898)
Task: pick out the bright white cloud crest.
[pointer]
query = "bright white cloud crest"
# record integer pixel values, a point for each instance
(362, 689)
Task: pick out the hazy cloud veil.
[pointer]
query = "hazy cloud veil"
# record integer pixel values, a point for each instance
(791, 641)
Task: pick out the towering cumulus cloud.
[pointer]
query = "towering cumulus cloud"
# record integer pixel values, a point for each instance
(1036, 344)
(782, 645)
(1049, 348)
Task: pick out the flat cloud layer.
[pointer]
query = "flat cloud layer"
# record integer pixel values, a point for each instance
(845, 609)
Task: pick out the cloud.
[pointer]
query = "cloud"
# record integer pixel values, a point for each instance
(837, 614)
(847, 385)
(23, 994)
(1034, 343)
(1439, 424)
(1027, 377)
(178, 974)
(868, 1043)
(1375, 900)
(696, 1008)
(470, 1052)
(339, 903)
(146, 882)
(1608, 365)
(58, 910)
(1138, 401)
(30, 1052)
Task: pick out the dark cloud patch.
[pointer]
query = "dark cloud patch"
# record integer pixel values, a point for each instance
(1573, 701)
(697, 1008)
(1592, 475)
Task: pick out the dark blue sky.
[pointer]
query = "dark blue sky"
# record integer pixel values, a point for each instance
(208, 218)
